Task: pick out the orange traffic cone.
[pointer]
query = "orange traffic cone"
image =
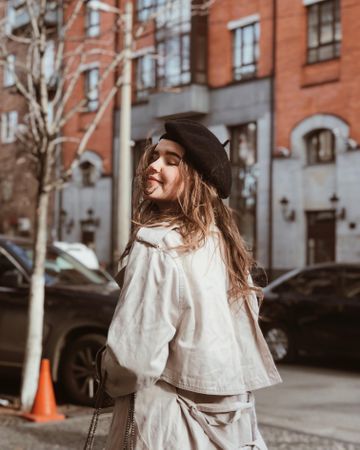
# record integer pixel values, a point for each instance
(44, 407)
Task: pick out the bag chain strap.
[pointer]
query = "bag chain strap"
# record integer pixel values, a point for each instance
(95, 417)
(129, 438)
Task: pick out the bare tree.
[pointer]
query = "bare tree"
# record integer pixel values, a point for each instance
(51, 105)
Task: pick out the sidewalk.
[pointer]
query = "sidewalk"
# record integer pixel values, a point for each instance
(316, 401)
(19, 434)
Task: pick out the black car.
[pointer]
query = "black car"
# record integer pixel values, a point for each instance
(79, 304)
(313, 311)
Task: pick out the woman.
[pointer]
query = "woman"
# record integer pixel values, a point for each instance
(184, 336)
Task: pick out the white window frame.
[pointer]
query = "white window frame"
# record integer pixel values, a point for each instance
(95, 92)
(143, 91)
(9, 71)
(239, 70)
(9, 122)
(243, 21)
(92, 29)
(311, 2)
(49, 57)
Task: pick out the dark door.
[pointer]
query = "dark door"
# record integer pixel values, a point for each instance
(14, 293)
(320, 236)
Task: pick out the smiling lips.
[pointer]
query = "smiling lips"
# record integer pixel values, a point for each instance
(153, 179)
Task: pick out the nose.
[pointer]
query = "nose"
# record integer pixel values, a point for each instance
(156, 165)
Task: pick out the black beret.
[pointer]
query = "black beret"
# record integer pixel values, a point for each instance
(203, 150)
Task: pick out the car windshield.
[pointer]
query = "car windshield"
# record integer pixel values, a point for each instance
(60, 267)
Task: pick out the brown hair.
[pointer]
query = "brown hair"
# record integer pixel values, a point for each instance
(199, 208)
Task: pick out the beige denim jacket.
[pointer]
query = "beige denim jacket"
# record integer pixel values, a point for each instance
(173, 322)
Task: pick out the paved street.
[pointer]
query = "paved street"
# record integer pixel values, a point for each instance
(16, 434)
(315, 408)
(315, 400)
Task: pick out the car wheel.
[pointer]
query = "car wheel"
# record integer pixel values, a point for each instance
(280, 343)
(78, 368)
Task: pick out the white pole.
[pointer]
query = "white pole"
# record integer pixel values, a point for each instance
(124, 169)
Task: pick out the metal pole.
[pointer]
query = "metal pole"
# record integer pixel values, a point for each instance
(124, 168)
(272, 143)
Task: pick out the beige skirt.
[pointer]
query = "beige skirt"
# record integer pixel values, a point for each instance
(168, 418)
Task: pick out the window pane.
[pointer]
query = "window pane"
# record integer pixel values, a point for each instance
(326, 33)
(9, 69)
(326, 52)
(313, 15)
(92, 22)
(313, 40)
(321, 147)
(248, 56)
(49, 60)
(185, 42)
(325, 146)
(324, 30)
(318, 282)
(246, 51)
(244, 169)
(352, 284)
(173, 24)
(337, 31)
(248, 35)
(92, 92)
(326, 12)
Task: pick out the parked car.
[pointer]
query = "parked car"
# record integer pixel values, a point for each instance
(85, 255)
(79, 304)
(313, 311)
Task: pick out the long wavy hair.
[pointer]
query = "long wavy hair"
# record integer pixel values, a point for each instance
(198, 208)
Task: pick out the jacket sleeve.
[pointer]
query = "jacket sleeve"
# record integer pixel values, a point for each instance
(253, 301)
(144, 322)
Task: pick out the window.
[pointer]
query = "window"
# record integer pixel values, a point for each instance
(144, 9)
(50, 61)
(244, 175)
(145, 76)
(60, 266)
(91, 88)
(92, 22)
(9, 121)
(88, 172)
(9, 71)
(245, 51)
(320, 147)
(351, 283)
(324, 31)
(10, 276)
(312, 283)
(173, 24)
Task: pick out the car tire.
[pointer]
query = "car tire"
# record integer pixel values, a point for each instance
(78, 368)
(280, 342)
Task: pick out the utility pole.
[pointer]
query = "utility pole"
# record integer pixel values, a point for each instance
(123, 180)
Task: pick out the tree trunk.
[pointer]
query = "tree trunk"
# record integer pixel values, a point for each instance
(33, 349)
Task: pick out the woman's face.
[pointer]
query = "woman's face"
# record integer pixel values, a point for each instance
(163, 180)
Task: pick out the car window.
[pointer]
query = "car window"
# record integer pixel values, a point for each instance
(351, 285)
(312, 282)
(10, 276)
(60, 267)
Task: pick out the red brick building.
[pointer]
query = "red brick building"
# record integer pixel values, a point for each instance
(317, 115)
(293, 137)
